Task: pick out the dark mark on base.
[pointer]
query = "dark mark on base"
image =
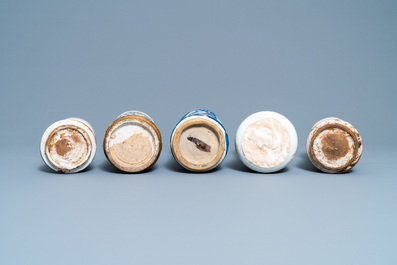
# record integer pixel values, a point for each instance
(200, 144)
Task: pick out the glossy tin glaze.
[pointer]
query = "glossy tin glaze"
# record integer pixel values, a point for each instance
(132, 143)
(199, 141)
(68, 146)
(266, 141)
(334, 145)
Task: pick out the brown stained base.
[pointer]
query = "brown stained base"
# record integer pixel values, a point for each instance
(335, 146)
(135, 153)
(198, 144)
(66, 144)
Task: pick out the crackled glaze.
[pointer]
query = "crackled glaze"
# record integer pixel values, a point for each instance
(266, 141)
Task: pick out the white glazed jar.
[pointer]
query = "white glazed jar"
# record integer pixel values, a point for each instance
(68, 146)
(132, 143)
(334, 145)
(199, 141)
(266, 141)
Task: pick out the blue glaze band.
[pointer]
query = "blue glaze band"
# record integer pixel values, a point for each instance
(135, 112)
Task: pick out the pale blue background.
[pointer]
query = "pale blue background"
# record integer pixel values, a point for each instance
(96, 59)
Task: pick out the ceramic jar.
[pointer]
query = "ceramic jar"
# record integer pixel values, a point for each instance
(266, 141)
(199, 141)
(68, 146)
(132, 142)
(334, 145)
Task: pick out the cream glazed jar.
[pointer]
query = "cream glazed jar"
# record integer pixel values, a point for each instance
(132, 142)
(199, 141)
(334, 145)
(266, 141)
(68, 146)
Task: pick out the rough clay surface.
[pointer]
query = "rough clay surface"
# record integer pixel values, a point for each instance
(199, 145)
(67, 148)
(266, 143)
(132, 144)
(334, 148)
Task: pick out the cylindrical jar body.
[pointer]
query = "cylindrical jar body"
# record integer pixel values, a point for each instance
(132, 142)
(69, 145)
(199, 141)
(266, 141)
(334, 145)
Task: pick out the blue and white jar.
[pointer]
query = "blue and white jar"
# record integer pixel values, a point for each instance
(199, 141)
(68, 146)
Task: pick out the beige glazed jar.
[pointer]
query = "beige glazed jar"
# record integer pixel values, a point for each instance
(334, 145)
(68, 146)
(132, 143)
